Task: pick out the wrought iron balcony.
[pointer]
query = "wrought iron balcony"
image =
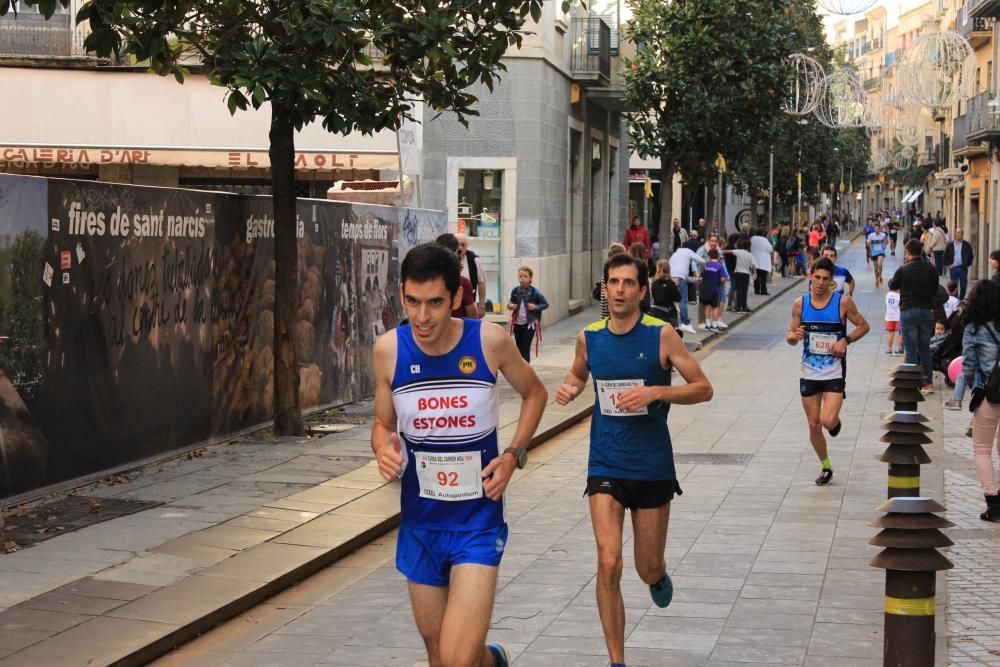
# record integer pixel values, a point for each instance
(961, 146)
(873, 83)
(32, 35)
(984, 116)
(984, 8)
(977, 29)
(591, 55)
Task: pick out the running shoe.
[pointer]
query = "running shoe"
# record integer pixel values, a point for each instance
(662, 591)
(891, 353)
(825, 476)
(709, 326)
(953, 404)
(687, 328)
(835, 431)
(899, 352)
(500, 654)
(719, 324)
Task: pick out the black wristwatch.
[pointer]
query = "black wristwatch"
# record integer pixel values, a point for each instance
(520, 456)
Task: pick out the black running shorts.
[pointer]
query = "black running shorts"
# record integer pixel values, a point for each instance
(813, 387)
(635, 494)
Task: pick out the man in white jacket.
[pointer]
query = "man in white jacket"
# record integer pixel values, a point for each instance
(680, 267)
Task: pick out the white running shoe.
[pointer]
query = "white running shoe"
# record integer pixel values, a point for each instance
(719, 324)
(708, 325)
(687, 328)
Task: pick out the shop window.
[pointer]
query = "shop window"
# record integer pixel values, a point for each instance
(480, 194)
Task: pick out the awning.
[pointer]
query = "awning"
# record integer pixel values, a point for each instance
(912, 196)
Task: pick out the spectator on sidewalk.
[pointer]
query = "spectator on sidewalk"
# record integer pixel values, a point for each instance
(713, 281)
(680, 271)
(468, 307)
(636, 233)
(679, 235)
(937, 241)
(527, 304)
(729, 259)
(742, 272)
(761, 249)
(665, 294)
(957, 259)
(638, 251)
(917, 282)
(600, 290)
(693, 242)
(472, 268)
(980, 352)
(892, 322)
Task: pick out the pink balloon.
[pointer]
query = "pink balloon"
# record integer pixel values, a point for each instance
(955, 369)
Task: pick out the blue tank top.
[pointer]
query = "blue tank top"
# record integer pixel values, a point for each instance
(628, 445)
(823, 327)
(447, 409)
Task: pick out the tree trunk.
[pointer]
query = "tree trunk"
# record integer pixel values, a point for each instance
(287, 414)
(667, 169)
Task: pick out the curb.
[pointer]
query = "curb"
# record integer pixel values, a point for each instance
(232, 586)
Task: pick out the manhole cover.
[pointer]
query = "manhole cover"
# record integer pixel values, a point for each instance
(714, 459)
(27, 526)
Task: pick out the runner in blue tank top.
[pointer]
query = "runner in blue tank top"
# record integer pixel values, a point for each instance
(819, 322)
(436, 414)
(631, 466)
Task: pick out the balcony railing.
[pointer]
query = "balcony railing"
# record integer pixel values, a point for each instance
(980, 8)
(959, 129)
(972, 24)
(984, 116)
(591, 58)
(872, 84)
(32, 35)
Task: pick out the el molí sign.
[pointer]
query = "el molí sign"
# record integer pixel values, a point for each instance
(35, 156)
(135, 321)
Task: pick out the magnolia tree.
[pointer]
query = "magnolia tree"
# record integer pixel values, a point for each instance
(353, 66)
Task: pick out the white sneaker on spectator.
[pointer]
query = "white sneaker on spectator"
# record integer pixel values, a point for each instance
(687, 328)
(719, 324)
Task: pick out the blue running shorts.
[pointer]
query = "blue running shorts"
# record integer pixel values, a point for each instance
(427, 556)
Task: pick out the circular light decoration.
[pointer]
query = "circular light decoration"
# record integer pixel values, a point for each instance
(879, 161)
(805, 84)
(846, 7)
(907, 152)
(901, 162)
(936, 70)
(891, 97)
(907, 131)
(842, 101)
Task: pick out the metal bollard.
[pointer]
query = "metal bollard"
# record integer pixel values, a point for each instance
(905, 433)
(906, 382)
(911, 535)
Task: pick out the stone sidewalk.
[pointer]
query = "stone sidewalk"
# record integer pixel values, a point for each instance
(768, 568)
(112, 583)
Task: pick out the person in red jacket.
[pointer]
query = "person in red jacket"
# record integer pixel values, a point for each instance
(636, 233)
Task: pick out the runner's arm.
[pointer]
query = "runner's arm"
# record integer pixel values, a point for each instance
(796, 332)
(385, 440)
(576, 378)
(697, 388)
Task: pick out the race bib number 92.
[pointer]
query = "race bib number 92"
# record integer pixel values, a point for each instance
(449, 476)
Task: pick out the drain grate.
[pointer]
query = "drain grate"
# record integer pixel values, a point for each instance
(749, 341)
(714, 459)
(27, 526)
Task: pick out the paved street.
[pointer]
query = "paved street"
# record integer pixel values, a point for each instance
(768, 568)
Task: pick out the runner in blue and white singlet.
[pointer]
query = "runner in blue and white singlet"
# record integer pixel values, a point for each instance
(819, 322)
(877, 242)
(436, 421)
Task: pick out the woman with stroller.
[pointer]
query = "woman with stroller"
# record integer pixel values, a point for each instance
(980, 351)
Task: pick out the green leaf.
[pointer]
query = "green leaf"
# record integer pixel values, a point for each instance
(536, 12)
(259, 96)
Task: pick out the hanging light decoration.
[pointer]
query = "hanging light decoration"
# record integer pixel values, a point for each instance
(907, 129)
(891, 96)
(936, 70)
(846, 7)
(901, 162)
(907, 152)
(879, 161)
(805, 83)
(843, 102)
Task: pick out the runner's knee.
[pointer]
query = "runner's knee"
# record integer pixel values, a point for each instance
(459, 652)
(609, 568)
(650, 573)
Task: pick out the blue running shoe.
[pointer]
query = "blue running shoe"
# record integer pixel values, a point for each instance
(500, 654)
(662, 591)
